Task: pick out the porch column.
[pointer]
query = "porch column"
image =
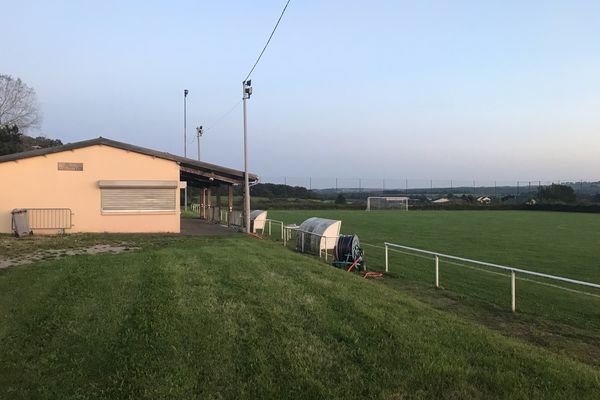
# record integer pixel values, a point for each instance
(229, 203)
(203, 205)
(200, 204)
(218, 189)
(209, 211)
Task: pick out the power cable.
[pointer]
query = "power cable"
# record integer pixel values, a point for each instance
(225, 115)
(268, 40)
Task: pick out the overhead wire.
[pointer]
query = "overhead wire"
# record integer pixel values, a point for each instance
(224, 115)
(228, 112)
(268, 41)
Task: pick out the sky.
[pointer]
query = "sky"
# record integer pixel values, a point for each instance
(398, 90)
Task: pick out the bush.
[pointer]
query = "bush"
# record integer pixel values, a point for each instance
(561, 193)
(340, 199)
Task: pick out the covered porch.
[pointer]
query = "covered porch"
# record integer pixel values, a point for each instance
(214, 202)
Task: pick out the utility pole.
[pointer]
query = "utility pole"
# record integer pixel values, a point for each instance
(185, 93)
(246, 93)
(199, 132)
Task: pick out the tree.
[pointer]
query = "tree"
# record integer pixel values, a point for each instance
(18, 104)
(340, 199)
(554, 192)
(10, 139)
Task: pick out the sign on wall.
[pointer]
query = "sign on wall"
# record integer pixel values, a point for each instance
(70, 166)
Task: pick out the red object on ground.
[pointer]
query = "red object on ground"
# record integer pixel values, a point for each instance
(372, 274)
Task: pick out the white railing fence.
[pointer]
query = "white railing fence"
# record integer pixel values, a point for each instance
(513, 271)
(269, 227)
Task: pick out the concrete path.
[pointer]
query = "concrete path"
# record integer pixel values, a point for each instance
(198, 227)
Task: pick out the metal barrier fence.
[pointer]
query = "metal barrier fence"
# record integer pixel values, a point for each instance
(309, 242)
(213, 214)
(236, 218)
(269, 223)
(50, 218)
(513, 271)
(224, 216)
(424, 186)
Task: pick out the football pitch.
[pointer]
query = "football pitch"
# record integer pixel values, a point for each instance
(558, 315)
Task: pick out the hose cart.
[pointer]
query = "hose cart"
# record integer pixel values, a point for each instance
(348, 254)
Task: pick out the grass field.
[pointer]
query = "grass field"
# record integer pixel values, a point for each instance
(565, 244)
(235, 317)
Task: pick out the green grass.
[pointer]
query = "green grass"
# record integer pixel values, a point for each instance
(234, 317)
(566, 244)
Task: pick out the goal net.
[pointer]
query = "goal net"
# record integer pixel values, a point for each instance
(387, 203)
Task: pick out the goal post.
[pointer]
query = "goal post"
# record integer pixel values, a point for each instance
(387, 203)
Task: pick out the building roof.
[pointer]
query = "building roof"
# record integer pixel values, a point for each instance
(187, 165)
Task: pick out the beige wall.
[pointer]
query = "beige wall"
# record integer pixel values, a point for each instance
(37, 183)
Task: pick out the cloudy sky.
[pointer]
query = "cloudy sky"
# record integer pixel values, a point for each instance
(376, 89)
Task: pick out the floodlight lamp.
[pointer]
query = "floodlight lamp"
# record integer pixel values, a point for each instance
(185, 92)
(247, 89)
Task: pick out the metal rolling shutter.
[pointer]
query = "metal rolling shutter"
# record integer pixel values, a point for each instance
(138, 196)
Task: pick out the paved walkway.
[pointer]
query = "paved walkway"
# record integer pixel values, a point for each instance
(198, 227)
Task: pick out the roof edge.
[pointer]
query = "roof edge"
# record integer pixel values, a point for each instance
(129, 147)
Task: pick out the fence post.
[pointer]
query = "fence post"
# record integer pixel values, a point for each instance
(282, 237)
(269, 227)
(437, 272)
(513, 280)
(387, 269)
(302, 240)
(325, 248)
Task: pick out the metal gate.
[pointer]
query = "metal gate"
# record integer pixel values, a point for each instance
(50, 218)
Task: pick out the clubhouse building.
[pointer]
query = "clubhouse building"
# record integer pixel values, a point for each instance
(102, 185)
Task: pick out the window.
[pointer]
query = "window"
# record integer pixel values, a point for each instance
(138, 196)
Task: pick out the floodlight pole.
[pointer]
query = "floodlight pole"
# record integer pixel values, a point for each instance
(199, 132)
(185, 93)
(246, 93)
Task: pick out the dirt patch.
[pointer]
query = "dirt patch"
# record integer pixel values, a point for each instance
(54, 254)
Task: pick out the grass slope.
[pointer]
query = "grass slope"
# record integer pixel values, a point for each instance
(234, 317)
(566, 244)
